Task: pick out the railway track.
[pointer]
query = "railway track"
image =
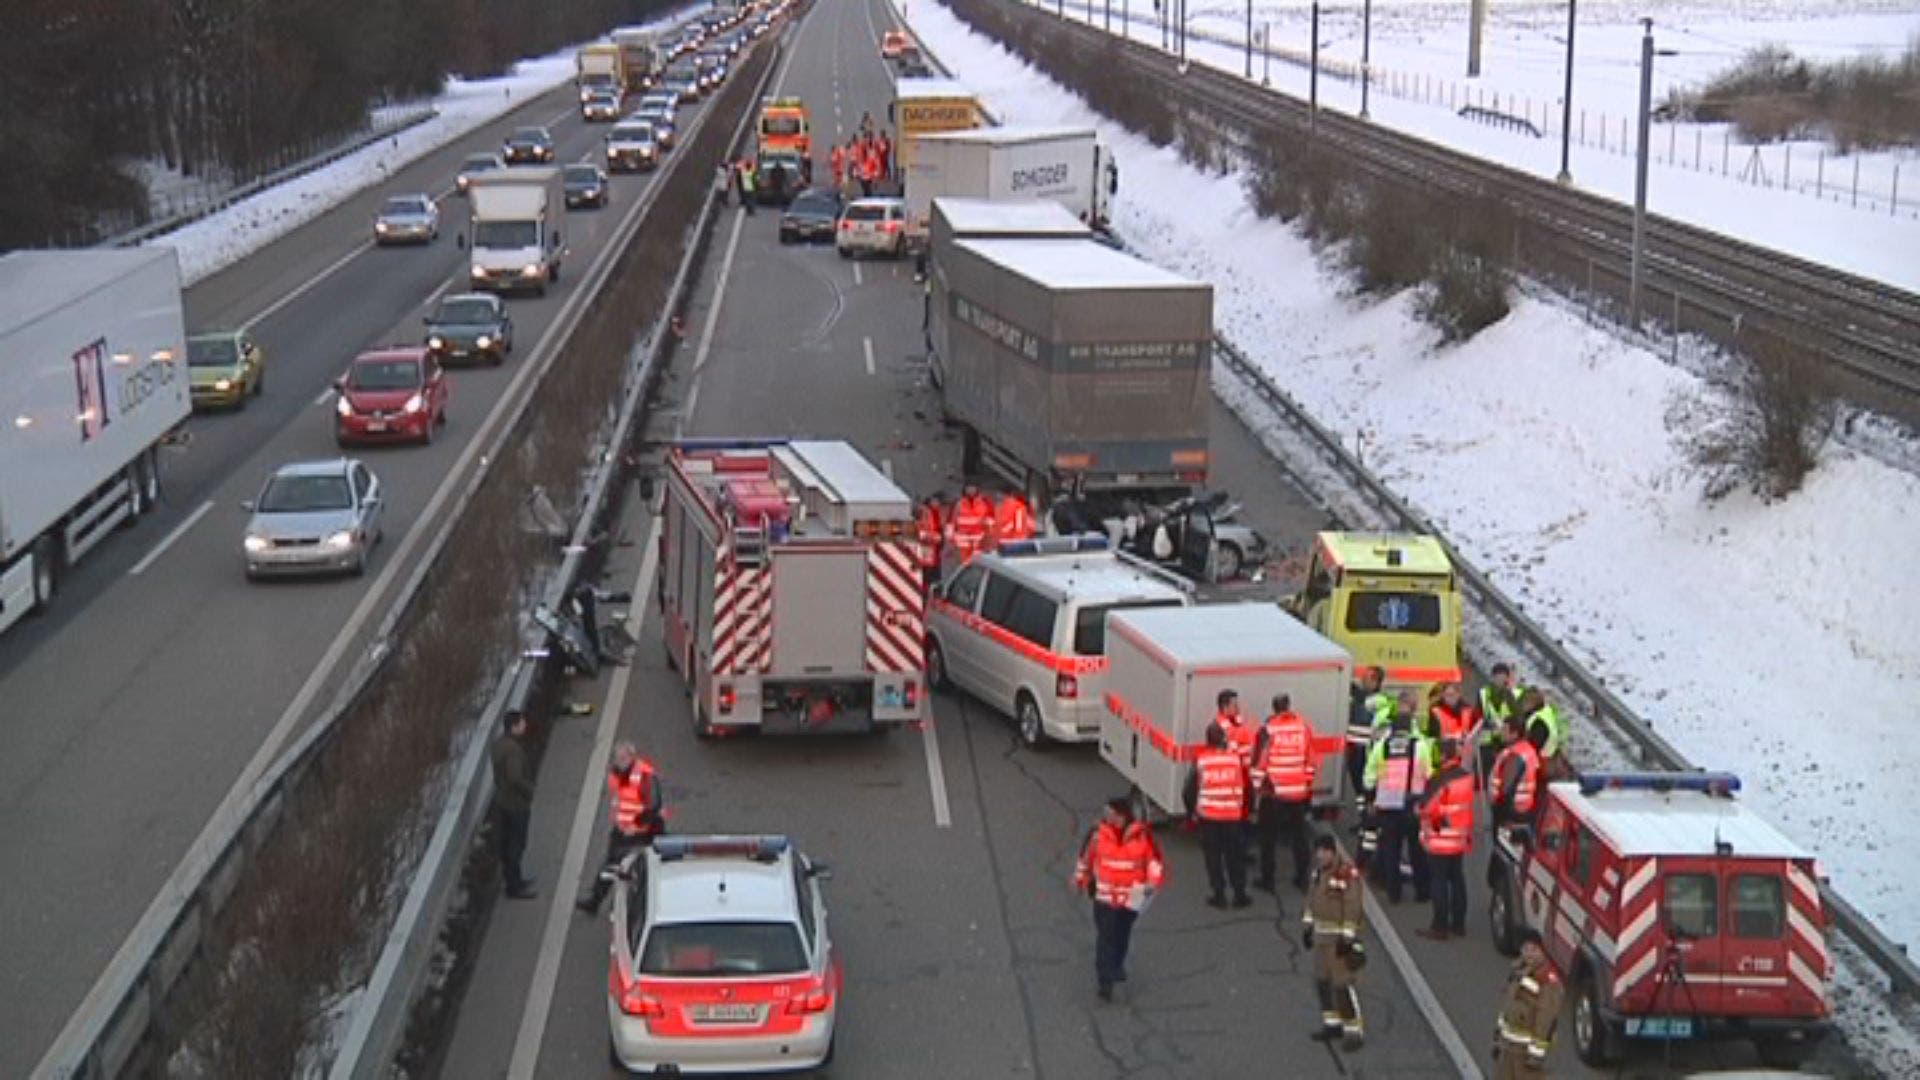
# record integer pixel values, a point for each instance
(1695, 281)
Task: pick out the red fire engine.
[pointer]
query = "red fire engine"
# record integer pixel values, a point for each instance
(791, 594)
(1673, 911)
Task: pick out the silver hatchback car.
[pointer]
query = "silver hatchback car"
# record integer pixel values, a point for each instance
(313, 517)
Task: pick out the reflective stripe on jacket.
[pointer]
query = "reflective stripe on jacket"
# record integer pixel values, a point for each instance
(1114, 861)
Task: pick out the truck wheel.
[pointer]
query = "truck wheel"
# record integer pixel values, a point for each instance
(937, 668)
(1593, 1038)
(1026, 716)
(46, 573)
(138, 490)
(701, 729)
(1500, 914)
(1783, 1053)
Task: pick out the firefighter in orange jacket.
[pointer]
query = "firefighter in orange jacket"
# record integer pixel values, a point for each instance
(837, 162)
(1513, 783)
(1012, 519)
(1120, 867)
(930, 527)
(1284, 763)
(1334, 930)
(633, 813)
(1217, 797)
(971, 524)
(1446, 834)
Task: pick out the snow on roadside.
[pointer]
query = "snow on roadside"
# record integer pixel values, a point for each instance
(1765, 639)
(1826, 230)
(219, 240)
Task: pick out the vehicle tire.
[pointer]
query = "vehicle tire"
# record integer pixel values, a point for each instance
(845, 253)
(359, 567)
(1026, 717)
(702, 730)
(785, 238)
(1506, 937)
(937, 676)
(259, 383)
(900, 248)
(1593, 1038)
(1227, 562)
(553, 276)
(46, 573)
(140, 489)
(426, 433)
(828, 1060)
(1783, 1053)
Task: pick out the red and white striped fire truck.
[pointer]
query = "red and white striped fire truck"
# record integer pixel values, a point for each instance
(791, 595)
(1673, 912)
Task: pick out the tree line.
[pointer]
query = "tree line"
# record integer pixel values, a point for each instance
(226, 88)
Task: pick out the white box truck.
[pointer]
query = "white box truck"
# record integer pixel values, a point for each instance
(93, 376)
(1167, 666)
(513, 229)
(1066, 165)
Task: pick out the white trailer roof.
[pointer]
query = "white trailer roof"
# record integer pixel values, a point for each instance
(1643, 823)
(971, 216)
(930, 87)
(1010, 136)
(34, 284)
(1076, 264)
(1229, 635)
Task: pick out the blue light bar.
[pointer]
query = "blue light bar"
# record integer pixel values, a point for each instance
(727, 442)
(1710, 783)
(1055, 545)
(757, 848)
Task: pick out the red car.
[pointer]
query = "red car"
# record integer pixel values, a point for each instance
(395, 394)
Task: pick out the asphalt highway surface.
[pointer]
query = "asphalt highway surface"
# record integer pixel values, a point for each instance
(966, 952)
(161, 677)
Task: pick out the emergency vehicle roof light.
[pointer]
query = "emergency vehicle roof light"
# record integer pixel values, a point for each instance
(1708, 783)
(1055, 545)
(696, 444)
(757, 848)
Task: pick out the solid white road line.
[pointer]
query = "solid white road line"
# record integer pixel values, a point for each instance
(936, 776)
(324, 396)
(167, 541)
(713, 316)
(866, 346)
(1466, 1066)
(553, 937)
(857, 278)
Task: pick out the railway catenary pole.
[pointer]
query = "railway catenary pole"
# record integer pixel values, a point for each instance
(1366, 55)
(1566, 103)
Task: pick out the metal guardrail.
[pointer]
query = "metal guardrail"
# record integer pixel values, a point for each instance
(103, 1041)
(372, 1040)
(228, 197)
(1566, 671)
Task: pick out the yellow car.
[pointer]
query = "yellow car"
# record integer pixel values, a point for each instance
(224, 369)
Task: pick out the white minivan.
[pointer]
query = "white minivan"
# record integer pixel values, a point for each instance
(1024, 629)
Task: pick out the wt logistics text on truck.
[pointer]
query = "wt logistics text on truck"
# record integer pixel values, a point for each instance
(93, 345)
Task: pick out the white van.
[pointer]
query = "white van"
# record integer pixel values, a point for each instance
(1024, 629)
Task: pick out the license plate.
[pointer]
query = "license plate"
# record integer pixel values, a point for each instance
(1660, 1027)
(376, 425)
(725, 1014)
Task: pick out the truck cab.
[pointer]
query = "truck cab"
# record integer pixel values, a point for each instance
(1391, 600)
(514, 229)
(1673, 912)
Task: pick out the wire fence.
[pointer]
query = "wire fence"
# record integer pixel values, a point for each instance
(1870, 183)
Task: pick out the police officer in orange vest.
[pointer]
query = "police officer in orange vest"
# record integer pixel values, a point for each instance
(1284, 763)
(1012, 519)
(633, 813)
(1446, 834)
(1514, 782)
(1217, 796)
(1240, 734)
(970, 525)
(1120, 868)
(930, 527)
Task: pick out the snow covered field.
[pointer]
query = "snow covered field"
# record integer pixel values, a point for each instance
(1770, 640)
(1797, 197)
